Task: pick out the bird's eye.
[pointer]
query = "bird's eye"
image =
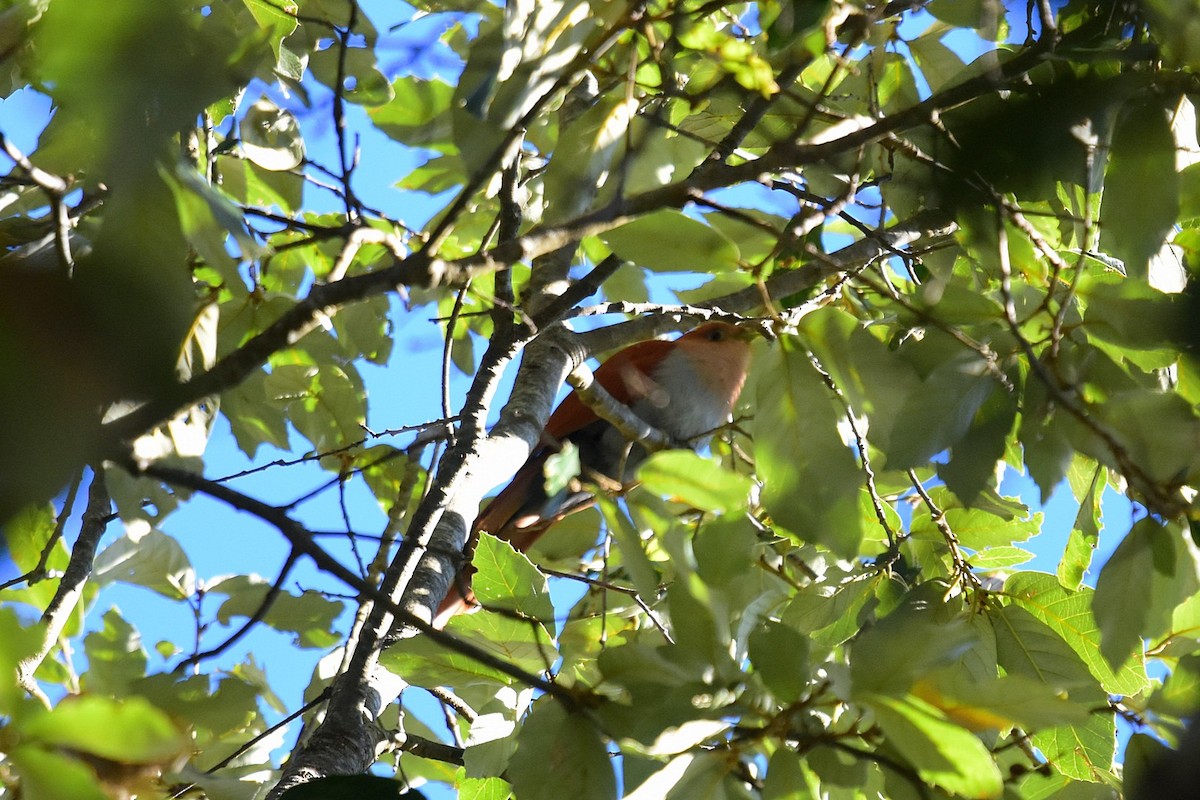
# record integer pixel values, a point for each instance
(716, 335)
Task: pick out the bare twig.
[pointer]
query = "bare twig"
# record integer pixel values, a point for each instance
(861, 442)
(438, 425)
(38, 573)
(256, 617)
(962, 568)
(302, 543)
(56, 189)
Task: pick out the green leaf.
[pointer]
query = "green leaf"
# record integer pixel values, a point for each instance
(939, 64)
(975, 528)
(1027, 646)
(131, 731)
(659, 687)
(270, 137)
(250, 184)
(1156, 429)
(779, 654)
(973, 459)
(587, 149)
(699, 621)
(641, 570)
(788, 778)
(27, 533)
(48, 775)
(939, 412)
(882, 658)
(1084, 536)
(1180, 695)
(115, 656)
(490, 744)
(942, 753)
(659, 157)
(725, 550)
(984, 15)
(1141, 188)
(231, 709)
(810, 477)
(484, 789)
(418, 114)
(522, 643)
(1152, 571)
(310, 615)
(998, 703)
(1002, 557)
(1189, 193)
(326, 404)
(1132, 315)
(1069, 616)
(279, 19)
(874, 380)
(252, 419)
(507, 581)
(1085, 751)
(567, 746)
(147, 557)
(699, 482)
(1142, 765)
(20, 642)
(561, 468)
(670, 241)
(830, 614)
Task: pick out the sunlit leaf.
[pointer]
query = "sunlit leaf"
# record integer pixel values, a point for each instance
(1084, 536)
(811, 480)
(669, 241)
(150, 558)
(271, 137)
(309, 616)
(941, 752)
(699, 482)
(1069, 615)
(506, 581)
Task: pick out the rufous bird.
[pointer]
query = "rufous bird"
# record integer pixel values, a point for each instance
(685, 388)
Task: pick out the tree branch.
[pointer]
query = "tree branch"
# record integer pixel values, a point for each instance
(75, 577)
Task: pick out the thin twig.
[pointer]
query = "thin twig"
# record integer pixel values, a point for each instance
(861, 442)
(38, 573)
(962, 567)
(612, 587)
(345, 448)
(302, 542)
(256, 617)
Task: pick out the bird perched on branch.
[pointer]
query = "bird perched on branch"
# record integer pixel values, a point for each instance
(685, 388)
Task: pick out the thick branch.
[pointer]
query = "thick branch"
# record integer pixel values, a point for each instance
(74, 579)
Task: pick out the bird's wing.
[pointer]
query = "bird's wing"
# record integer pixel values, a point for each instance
(624, 376)
(504, 507)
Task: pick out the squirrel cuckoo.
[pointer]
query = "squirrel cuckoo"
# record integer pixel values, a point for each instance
(685, 388)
